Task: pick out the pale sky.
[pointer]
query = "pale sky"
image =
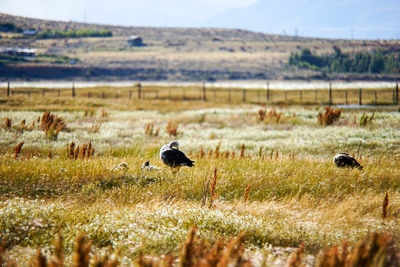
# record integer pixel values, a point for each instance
(359, 19)
(181, 13)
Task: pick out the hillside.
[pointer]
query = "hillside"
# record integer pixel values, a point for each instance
(168, 53)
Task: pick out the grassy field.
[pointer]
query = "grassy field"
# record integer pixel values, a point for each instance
(283, 160)
(99, 95)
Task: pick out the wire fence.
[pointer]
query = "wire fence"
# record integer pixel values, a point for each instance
(382, 96)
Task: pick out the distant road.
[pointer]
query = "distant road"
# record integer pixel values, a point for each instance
(286, 85)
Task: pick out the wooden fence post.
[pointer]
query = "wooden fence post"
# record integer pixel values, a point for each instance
(397, 93)
(139, 85)
(301, 97)
(8, 88)
(244, 95)
(315, 95)
(130, 94)
(204, 92)
(258, 96)
(375, 97)
(214, 94)
(330, 93)
(89, 95)
(345, 95)
(43, 92)
(73, 89)
(59, 92)
(360, 97)
(103, 95)
(285, 96)
(394, 96)
(268, 91)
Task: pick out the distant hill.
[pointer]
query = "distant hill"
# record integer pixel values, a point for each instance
(167, 53)
(368, 19)
(151, 33)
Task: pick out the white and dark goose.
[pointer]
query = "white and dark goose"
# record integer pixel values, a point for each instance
(146, 166)
(345, 160)
(173, 157)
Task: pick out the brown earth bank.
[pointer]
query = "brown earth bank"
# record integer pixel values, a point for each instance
(37, 72)
(87, 73)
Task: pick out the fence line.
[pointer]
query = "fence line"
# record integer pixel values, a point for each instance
(328, 96)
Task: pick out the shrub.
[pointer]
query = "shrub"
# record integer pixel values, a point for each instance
(261, 114)
(17, 149)
(8, 123)
(269, 117)
(329, 116)
(365, 119)
(86, 151)
(51, 125)
(149, 130)
(172, 129)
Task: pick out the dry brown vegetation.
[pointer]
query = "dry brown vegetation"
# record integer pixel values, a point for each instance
(213, 184)
(8, 123)
(51, 124)
(150, 131)
(329, 116)
(17, 149)
(86, 151)
(375, 250)
(172, 129)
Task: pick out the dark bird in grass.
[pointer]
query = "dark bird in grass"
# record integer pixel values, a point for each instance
(173, 157)
(345, 160)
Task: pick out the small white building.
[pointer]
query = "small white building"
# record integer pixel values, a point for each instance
(135, 40)
(18, 51)
(29, 32)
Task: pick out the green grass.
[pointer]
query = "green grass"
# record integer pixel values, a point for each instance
(297, 199)
(41, 58)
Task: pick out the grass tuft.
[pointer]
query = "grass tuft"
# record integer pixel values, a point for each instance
(8, 123)
(365, 119)
(246, 194)
(17, 149)
(150, 131)
(296, 260)
(331, 115)
(213, 184)
(82, 251)
(172, 129)
(385, 206)
(51, 124)
(375, 250)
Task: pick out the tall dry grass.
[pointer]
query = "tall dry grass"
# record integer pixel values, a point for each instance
(329, 116)
(375, 250)
(51, 124)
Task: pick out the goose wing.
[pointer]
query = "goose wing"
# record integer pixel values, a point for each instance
(175, 158)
